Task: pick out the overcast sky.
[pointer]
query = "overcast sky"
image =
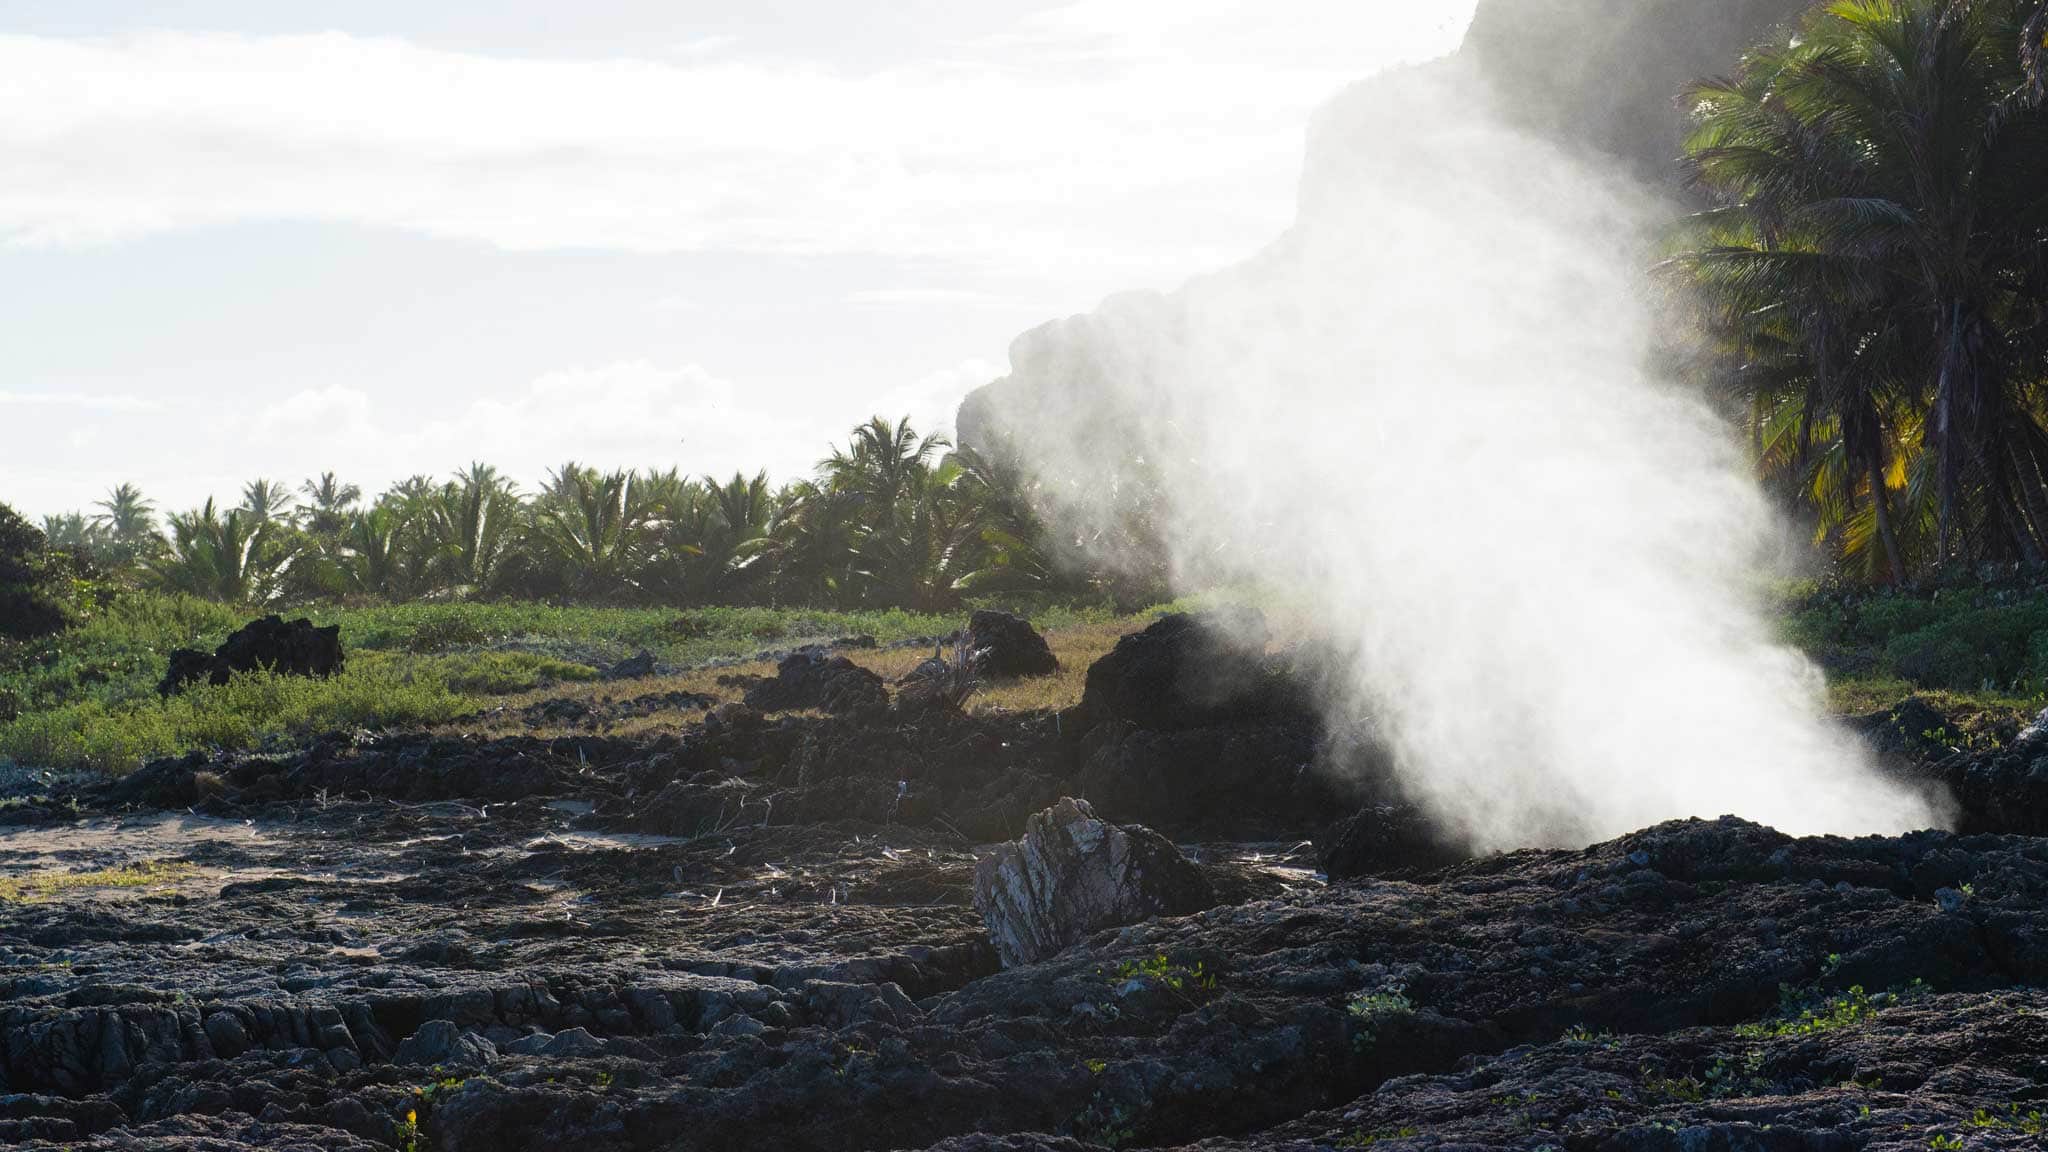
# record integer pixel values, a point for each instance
(248, 237)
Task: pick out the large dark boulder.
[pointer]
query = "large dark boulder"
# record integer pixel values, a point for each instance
(1387, 840)
(2003, 789)
(814, 678)
(288, 648)
(1072, 875)
(1258, 782)
(1005, 645)
(1188, 671)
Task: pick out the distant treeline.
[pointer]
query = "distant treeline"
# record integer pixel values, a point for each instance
(1872, 278)
(890, 519)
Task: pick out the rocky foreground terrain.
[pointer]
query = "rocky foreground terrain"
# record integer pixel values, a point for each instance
(769, 931)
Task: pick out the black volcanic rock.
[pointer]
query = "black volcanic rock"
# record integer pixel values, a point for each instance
(814, 678)
(288, 648)
(1387, 840)
(1193, 671)
(814, 955)
(1004, 645)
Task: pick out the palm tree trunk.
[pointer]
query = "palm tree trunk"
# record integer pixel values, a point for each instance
(2030, 488)
(1948, 433)
(2022, 533)
(2025, 533)
(1880, 504)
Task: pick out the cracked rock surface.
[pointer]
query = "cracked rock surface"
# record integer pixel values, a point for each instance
(753, 932)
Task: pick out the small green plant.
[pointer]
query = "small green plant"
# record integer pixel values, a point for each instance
(2029, 1123)
(1946, 1141)
(1105, 1121)
(1374, 1010)
(1724, 1079)
(1834, 1012)
(1159, 970)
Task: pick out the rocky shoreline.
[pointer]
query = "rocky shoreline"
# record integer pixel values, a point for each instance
(763, 932)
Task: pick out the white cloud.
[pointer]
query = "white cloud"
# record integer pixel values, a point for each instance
(327, 414)
(1121, 140)
(98, 402)
(629, 414)
(921, 297)
(932, 399)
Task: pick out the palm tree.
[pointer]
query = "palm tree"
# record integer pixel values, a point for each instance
(472, 519)
(329, 503)
(234, 559)
(72, 532)
(880, 477)
(370, 560)
(733, 515)
(266, 501)
(1875, 266)
(597, 527)
(806, 555)
(879, 463)
(126, 525)
(1012, 554)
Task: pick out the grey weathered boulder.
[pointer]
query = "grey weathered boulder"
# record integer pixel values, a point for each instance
(1073, 875)
(444, 1042)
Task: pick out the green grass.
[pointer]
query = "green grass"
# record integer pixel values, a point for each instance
(1974, 652)
(87, 698)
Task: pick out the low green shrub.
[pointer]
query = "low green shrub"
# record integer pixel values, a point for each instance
(241, 714)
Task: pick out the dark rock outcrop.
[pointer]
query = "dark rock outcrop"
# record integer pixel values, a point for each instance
(635, 667)
(1906, 732)
(1712, 977)
(1232, 782)
(1072, 875)
(1004, 645)
(1189, 671)
(2003, 789)
(814, 678)
(1387, 840)
(288, 648)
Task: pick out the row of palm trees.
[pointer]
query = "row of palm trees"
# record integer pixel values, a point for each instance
(891, 518)
(1873, 275)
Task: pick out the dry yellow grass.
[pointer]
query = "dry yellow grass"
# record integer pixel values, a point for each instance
(43, 885)
(1076, 647)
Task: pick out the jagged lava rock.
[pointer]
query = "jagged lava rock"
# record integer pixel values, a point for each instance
(814, 678)
(1007, 645)
(1188, 671)
(635, 667)
(294, 648)
(1073, 875)
(1387, 840)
